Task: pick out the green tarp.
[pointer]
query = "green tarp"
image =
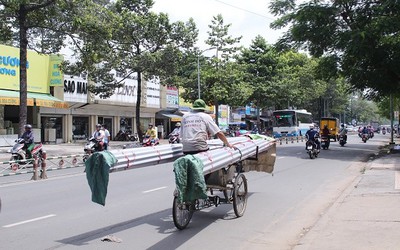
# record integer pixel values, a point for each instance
(97, 173)
(189, 178)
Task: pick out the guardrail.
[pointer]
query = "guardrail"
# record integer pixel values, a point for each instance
(290, 139)
(17, 167)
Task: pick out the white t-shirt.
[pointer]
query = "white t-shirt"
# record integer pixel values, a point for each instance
(106, 135)
(195, 128)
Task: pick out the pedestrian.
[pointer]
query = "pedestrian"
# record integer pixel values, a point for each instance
(196, 129)
(106, 138)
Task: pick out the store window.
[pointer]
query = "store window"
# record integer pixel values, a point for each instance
(80, 128)
(53, 123)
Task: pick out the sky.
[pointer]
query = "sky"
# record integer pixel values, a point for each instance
(248, 18)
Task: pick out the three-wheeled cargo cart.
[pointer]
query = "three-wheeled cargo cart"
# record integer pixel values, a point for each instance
(230, 181)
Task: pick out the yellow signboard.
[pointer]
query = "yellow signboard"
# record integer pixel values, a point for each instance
(37, 70)
(56, 77)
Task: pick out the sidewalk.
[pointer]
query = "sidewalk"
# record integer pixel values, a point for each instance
(366, 216)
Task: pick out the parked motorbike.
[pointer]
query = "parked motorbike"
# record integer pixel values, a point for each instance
(18, 154)
(147, 141)
(311, 148)
(126, 135)
(384, 131)
(91, 146)
(342, 140)
(325, 142)
(364, 137)
(174, 139)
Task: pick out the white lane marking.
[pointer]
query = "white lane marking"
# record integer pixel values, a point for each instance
(282, 157)
(397, 180)
(31, 220)
(152, 190)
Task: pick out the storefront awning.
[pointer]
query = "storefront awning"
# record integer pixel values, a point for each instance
(8, 97)
(174, 118)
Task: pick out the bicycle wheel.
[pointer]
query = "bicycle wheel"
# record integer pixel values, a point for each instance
(240, 195)
(181, 213)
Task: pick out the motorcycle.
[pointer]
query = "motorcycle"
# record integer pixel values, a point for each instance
(384, 131)
(18, 154)
(173, 139)
(147, 141)
(91, 147)
(342, 141)
(126, 135)
(364, 137)
(325, 142)
(311, 148)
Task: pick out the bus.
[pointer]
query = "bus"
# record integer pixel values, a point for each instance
(291, 122)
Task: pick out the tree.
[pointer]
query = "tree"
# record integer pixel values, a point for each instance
(360, 38)
(20, 17)
(142, 43)
(225, 49)
(260, 62)
(42, 25)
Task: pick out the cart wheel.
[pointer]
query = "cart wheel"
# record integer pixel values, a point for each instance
(181, 213)
(240, 195)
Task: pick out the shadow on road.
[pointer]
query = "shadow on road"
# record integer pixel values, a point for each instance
(164, 222)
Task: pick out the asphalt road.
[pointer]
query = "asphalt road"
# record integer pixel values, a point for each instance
(57, 213)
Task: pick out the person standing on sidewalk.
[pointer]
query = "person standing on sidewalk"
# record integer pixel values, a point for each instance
(196, 128)
(106, 138)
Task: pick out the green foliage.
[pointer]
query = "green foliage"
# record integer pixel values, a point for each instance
(362, 36)
(260, 63)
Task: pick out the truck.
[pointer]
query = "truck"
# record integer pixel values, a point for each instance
(333, 126)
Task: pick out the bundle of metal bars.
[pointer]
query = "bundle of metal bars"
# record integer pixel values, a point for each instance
(216, 158)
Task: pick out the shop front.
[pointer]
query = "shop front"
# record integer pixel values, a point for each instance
(43, 75)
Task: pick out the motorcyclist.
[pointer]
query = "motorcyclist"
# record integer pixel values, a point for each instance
(176, 131)
(28, 139)
(343, 132)
(151, 132)
(365, 130)
(312, 135)
(325, 131)
(98, 134)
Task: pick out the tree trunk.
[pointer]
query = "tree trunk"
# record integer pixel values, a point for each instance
(23, 44)
(138, 100)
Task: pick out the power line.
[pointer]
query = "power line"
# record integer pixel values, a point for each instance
(249, 11)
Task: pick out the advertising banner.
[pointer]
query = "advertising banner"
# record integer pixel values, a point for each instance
(56, 77)
(37, 70)
(172, 97)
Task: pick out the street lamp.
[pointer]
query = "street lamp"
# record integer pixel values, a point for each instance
(198, 68)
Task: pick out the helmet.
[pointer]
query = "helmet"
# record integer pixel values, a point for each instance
(312, 126)
(178, 124)
(98, 125)
(326, 126)
(28, 126)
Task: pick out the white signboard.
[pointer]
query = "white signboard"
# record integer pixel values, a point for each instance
(125, 94)
(172, 97)
(75, 89)
(153, 93)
